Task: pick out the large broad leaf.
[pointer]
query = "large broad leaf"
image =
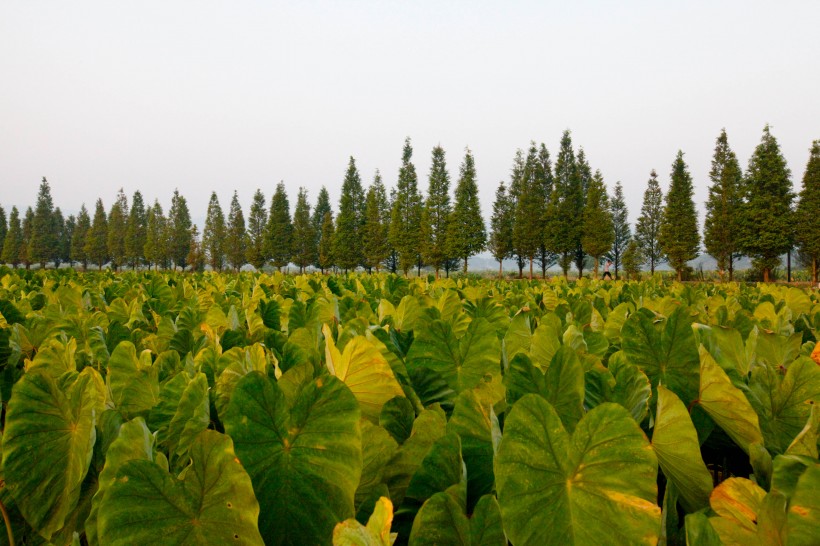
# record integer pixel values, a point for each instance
(376, 533)
(746, 514)
(133, 382)
(442, 521)
(476, 424)
(783, 402)
(192, 416)
(55, 357)
(47, 446)
(305, 462)
(378, 448)
(597, 486)
(364, 370)
(675, 442)
(805, 443)
(726, 346)
(235, 364)
(726, 404)
(212, 504)
(664, 350)
(463, 360)
(804, 510)
(397, 418)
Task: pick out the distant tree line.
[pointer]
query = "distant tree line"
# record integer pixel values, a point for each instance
(548, 214)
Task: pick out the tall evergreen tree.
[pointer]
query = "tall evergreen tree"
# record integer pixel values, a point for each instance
(3, 227)
(528, 227)
(647, 230)
(196, 254)
(135, 232)
(96, 240)
(632, 259)
(579, 199)
(722, 226)
(468, 235)
(67, 236)
(156, 245)
(435, 218)
(279, 232)
(117, 219)
(374, 235)
(213, 234)
(515, 192)
(391, 264)
(563, 231)
(78, 238)
(347, 245)
(405, 217)
(808, 211)
(178, 226)
(678, 237)
(501, 227)
(256, 231)
(42, 245)
(58, 229)
(620, 224)
(325, 259)
(545, 257)
(767, 219)
(304, 238)
(13, 240)
(598, 233)
(28, 228)
(322, 206)
(235, 237)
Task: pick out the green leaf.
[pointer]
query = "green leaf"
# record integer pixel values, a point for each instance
(523, 378)
(310, 452)
(777, 350)
(48, 442)
(378, 448)
(675, 442)
(397, 418)
(726, 346)
(134, 383)
(597, 486)
(726, 404)
(441, 520)
(632, 388)
(699, 531)
(485, 523)
(783, 402)
(805, 443)
(192, 416)
(564, 383)
(664, 350)
(463, 360)
(803, 522)
(377, 532)
(212, 504)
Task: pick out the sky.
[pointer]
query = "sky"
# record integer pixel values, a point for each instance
(222, 96)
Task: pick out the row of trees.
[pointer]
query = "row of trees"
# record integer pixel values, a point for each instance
(547, 214)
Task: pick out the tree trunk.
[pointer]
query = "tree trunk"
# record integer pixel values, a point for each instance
(531, 260)
(814, 269)
(437, 274)
(731, 268)
(680, 274)
(465, 263)
(501, 274)
(765, 274)
(595, 268)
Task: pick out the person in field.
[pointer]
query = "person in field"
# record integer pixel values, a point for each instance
(607, 274)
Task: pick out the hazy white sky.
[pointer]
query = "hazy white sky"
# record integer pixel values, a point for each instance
(215, 95)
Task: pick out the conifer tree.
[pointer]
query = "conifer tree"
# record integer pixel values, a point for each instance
(722, 225)
(528, 226)
(213, 234)
(501, 227)
(632, 260)
(808, 212)
(405, 217)
(515, 192)
(579, 193)
(66, 237)
(235, 236)
(78, 238)
(545, 258)
(178, 226)
(3, 227)
(117, 219)
(620, 223)
(58, 229)
(326, 243)
(28, 223)
(96, 240)
(678, 237)
(13, 240)
(42, 245)
(135, 232)
(304, 238)
(392, 261)
(347, 245)
(279, 232)
(374, 235)
(767, 222)
(564, 213)
(648, 227)
(256, 231)
(156, 244)
(468, 235)
(436, 213)
(196, 254)
(318, 217)
(598, 230)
